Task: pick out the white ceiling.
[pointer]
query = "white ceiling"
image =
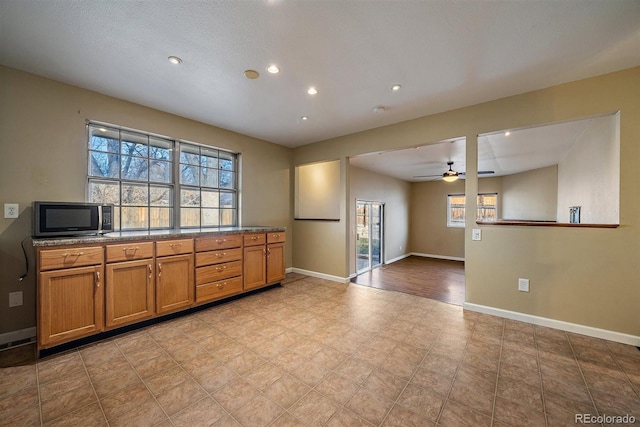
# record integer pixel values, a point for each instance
(521, 150)
(445, 53)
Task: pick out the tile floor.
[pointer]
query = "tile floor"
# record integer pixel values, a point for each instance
(314, 352)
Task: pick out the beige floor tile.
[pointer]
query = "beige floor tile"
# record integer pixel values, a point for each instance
(258, 412)
(423, 401)
(403, 417)
(337, 388)
(66, 402)
(314, 409)
(203, 413)
(127, 400)
(372, 407)
(456, 415)
(514, 414)
(90, 415)
(286, 390)
(235, 394)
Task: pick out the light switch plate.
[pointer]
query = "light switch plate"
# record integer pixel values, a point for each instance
(11, 210)
(523, 285)
(476, 234)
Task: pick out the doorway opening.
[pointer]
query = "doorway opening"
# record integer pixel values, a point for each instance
(369, 235)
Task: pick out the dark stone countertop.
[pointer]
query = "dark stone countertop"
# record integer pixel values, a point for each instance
(123, 236)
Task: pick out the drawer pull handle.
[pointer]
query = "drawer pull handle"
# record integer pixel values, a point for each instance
(276, 236)
(77, 254)
(125, 250)
(219, 241)
(224, 267)
(150, 271)
(221, 255)
(221, 285)
(175, 245)
(159, 269)
(97, 279)
(254, 237)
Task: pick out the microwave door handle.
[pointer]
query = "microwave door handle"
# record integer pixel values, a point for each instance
(99, 219)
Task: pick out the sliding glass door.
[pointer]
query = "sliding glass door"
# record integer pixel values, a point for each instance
(369, 237)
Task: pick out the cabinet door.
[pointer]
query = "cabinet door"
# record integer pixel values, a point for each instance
(255, 268)
(275, 262)
(175, 287)
(129, 292)
(70, 304)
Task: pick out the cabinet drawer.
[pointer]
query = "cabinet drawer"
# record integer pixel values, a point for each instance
(276, 237)
(213, 273)
(52, 259)
(129, 252)
(174, 247)
(255, 239)
(215, 290)
(216, 257)
(218, 242)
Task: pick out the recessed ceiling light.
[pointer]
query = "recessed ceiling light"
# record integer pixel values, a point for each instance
(273, 69)
(395, 88)
(379, 109)
(304, 118)
(507, 133)
(251, 74)
(175, 60)
(312, 91)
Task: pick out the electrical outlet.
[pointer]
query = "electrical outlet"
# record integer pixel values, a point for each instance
(476, 234)
(523, 285)
(11, 210)
(15, 299)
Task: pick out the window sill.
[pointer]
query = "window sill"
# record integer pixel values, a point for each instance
(546, 224)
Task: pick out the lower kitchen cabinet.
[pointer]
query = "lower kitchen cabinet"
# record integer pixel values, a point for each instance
(174, 283)
(129, 292)
(70, 304)
(255, 266)
(275, 262)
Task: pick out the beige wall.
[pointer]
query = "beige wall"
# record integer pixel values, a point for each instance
(429, 232)
(530, 195)
(584, 276)
(43, 157)
(589, 175)
(395, 194)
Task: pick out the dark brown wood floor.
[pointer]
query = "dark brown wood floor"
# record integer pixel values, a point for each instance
(438, 279)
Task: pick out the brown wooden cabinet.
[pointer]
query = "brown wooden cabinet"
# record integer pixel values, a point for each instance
(174, 275)
(129, 284)
(70, 294)
(218, 267)
(263, 259)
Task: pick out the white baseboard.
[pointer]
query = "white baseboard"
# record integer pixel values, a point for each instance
(320, 275)
(556, 324)
(450, 258)
(19, 335)
(390, 261)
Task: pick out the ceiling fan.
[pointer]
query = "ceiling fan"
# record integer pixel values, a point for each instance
(451, 175)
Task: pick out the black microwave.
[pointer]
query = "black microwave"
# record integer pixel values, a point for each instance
(51, 219)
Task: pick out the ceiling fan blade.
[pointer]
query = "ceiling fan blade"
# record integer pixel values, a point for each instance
(479, 172)
(428, 176)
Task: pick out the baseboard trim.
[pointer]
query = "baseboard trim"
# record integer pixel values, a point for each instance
(450, 258)
(17, 336)
(390, 261)
(320, 275)
(556, 324)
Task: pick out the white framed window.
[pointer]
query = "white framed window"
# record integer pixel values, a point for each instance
(159, 183)
(487, 209)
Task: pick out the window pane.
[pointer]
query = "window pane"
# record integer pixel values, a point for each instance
(189, 175)
(104, 192)
(135, 194)
(227, 179)
(134, 148)
(190, 217)
(160, 149)
(135, 218)
(227, 161)
(227, 200)
(104, 139)
(228, 217)
(210, 217)
(104, 165)
(210, 199)
(160, 218)
(189, 197)
(209, 177)
(134, 168)
(189, 154)
(159, 171)
(160, 196)
(209, 158)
